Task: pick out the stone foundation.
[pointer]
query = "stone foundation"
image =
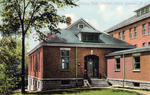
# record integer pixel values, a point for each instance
(35, 84)
(130, 83)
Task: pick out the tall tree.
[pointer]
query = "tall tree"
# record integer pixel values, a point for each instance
(20, 17)
(10, 60)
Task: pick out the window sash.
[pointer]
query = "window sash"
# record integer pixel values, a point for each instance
(144, 29)
(65, 60)
(149, 28)
(120, 35)
(123, 35)
(90, 37)
(136, 63)
(135, 32)
(117, 64)
(130, 33)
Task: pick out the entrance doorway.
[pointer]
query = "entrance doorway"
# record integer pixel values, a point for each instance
(91, 66)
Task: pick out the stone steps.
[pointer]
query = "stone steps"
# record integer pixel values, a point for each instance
(99, 83)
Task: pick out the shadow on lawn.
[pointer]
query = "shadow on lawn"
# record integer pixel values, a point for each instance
(62, 91)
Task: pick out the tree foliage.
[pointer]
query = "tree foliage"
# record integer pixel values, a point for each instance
(10, 63)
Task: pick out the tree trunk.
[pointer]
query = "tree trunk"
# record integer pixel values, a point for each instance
(23, 63)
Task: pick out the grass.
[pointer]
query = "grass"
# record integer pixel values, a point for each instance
(91, 92)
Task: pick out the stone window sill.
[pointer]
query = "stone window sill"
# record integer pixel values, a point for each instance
(136, 70)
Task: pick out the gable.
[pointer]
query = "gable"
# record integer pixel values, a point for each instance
(75, 25)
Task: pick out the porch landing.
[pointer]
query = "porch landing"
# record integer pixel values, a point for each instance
(95, 82)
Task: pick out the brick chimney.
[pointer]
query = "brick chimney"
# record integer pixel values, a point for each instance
(68, 21)
(49, 35)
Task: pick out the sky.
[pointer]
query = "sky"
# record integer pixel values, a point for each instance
(101, 14)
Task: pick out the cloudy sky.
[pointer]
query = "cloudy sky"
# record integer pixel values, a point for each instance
(101, 14)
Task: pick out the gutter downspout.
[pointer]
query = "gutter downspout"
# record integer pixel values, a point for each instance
(123, 70)
(76, 67)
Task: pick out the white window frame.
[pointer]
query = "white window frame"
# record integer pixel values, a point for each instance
(79, 26)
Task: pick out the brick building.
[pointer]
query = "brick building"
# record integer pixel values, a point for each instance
(129, 68)
(135, 30)
(68, 57)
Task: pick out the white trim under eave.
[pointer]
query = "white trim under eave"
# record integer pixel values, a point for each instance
(78, 45)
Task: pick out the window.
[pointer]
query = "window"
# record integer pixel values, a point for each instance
(39, 62)
(142, 11)
(144, 29)
(138, 13)
(135, 45)
(31, 63)
(135, 32)
(65, 60)
(130, 33)
(144, 44)
(65, 82)
(147, 9)
(117, 64)
(149, 28)
(123, 35)
(90, 37)
(80, 26)
(119, 35)
(136, 63)
(148, 43)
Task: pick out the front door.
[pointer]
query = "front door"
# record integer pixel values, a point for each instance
(91, 66)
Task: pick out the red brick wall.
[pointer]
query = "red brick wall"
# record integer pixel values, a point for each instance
(32, 71)
(52, 61)
(140, 38)
(143, 75)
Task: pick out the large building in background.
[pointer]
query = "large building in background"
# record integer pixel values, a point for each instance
(135, 30)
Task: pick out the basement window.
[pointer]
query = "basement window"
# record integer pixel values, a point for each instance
(136, 84)
(65, 82)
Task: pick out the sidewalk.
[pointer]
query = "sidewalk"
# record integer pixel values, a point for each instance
(126, 89)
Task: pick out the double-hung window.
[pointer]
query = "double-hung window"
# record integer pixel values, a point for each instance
(119, 35)
(65, 59)
(144, 29)
(123, 35)
(130, 33)
(135, 32)
(136, 62)
(149, 28)
(117, 64)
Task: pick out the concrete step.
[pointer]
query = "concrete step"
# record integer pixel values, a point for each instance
(86, 84)
(99, 83)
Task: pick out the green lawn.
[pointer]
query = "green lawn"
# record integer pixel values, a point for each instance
(93, 92)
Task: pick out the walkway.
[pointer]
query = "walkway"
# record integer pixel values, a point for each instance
(134, 90)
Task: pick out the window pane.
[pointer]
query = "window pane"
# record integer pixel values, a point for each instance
(136, 63)
(144, 29)
(117, 64)
(130, 33)
(148, 28)
(90, 37)
(137, 59)
(65, 62)
(84, 37)
(135, 32)
(95, 37)
(65, 53)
